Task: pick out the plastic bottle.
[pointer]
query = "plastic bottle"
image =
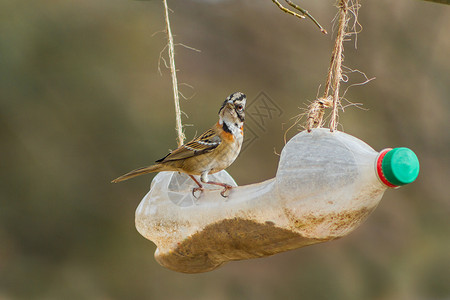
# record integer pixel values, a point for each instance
(326, 185)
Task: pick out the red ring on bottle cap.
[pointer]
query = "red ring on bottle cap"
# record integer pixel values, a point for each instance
(380, 169)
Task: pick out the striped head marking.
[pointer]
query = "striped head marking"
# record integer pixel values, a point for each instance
(235, 102)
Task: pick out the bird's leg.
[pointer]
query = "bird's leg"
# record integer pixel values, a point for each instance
(199, 188)
(204, 179)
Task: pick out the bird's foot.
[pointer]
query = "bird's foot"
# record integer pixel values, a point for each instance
(196, 189)
(227, 188)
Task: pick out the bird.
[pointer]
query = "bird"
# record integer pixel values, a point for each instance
(211, 152)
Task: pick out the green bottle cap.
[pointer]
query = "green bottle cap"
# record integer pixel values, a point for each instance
(400, 166)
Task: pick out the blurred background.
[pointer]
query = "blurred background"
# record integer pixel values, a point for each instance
(82, 102)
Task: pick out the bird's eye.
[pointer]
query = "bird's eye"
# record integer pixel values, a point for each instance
(239, 107)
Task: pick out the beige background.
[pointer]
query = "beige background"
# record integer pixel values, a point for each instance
(82, 102)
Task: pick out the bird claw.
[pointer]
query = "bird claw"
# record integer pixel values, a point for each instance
(194, 190)
(226, 189)
(223, 193)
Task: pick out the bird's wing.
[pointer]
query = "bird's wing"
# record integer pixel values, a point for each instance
(202, 144)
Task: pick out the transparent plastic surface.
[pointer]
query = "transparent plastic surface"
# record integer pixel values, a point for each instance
(325, 187)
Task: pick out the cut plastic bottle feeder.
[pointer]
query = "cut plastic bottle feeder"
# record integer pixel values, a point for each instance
(327, 183)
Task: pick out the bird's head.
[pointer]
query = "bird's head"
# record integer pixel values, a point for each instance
(233, 109)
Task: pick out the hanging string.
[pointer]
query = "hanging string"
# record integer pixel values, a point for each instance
(336, 62)
(173, 72)
(316, 109)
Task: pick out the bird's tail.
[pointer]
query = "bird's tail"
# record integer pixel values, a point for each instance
(138, 172)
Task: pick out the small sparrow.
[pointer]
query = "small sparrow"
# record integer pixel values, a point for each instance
(211, 152)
